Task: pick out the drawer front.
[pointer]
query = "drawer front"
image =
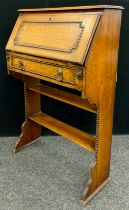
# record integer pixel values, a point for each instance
(46, 69)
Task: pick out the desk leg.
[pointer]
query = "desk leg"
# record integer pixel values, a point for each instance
(31, 131)
(101, 168)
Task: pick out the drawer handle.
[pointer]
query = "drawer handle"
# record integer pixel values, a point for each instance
(21, 65)
(59, 75)
(79, 74)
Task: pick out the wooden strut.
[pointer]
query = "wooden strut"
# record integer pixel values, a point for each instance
(99, 170)
(28, 136)
(35, 118)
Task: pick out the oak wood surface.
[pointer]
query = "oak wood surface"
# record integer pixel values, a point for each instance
(65, 74)
(72, 8)
(77, 136)
(45, 69)
(90, 67)
(100, 89)
(64, 96)
(27, 137)
(57, 36)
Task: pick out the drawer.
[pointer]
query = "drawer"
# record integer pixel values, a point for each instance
(56, 71)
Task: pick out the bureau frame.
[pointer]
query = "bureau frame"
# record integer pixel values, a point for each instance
(95, 78)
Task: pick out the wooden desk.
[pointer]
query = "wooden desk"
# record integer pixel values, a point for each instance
(74, 47)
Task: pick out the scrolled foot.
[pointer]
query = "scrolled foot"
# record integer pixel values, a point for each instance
(31, 132)
(94, 185)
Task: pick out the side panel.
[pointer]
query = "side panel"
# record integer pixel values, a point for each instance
(100, 77)
(101, 62)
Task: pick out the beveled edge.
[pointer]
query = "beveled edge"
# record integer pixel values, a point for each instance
(72, 8)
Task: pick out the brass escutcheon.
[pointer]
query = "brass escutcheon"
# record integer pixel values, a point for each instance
(79, 74)
(21, 64)
(59, 75)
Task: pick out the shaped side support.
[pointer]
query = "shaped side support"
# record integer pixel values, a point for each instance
(100, 82)
(31, 131)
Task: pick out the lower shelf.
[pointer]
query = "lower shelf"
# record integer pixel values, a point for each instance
(77, 136)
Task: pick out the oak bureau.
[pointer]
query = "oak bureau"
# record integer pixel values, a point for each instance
(74, 47)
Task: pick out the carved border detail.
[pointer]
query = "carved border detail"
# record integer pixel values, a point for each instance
(97, 137)
(81, 25)
(47, 63)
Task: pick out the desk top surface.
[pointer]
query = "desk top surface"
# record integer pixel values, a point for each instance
(73, 8)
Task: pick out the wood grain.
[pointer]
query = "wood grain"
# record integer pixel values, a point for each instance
(72, 8)
(57, 36)
(100, 89)
(65, 97)
(81, 56)
(85, 140)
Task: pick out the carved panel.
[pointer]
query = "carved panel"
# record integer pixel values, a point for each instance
(50, 35)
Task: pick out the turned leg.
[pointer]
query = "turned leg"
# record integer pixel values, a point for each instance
(31, 131)
(100, 170)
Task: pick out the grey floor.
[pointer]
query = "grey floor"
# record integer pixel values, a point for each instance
(51, 175)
